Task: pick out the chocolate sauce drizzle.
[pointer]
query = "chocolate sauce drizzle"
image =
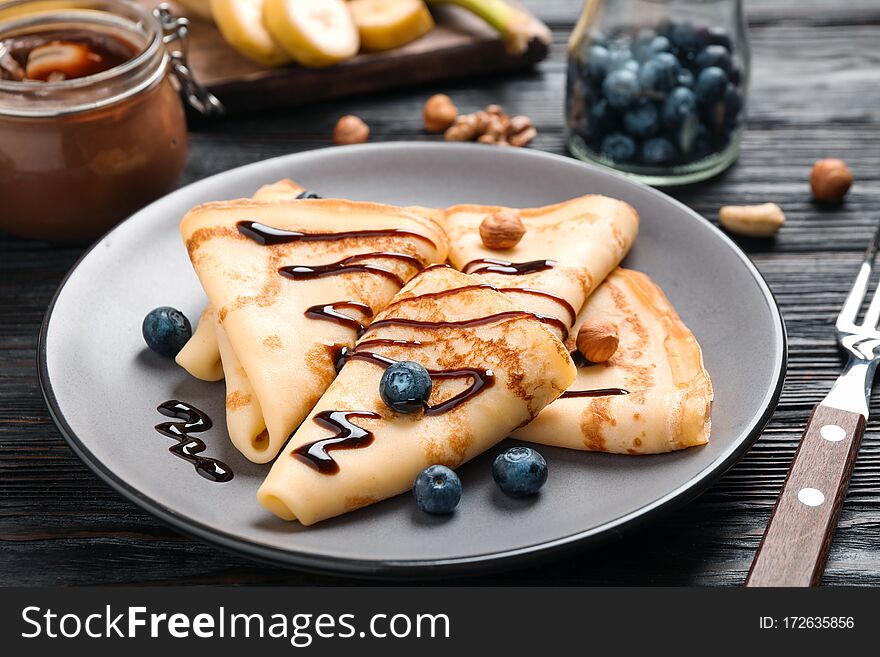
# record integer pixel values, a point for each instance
(348, 436)
(349, 265)
(330, 312)
(187, 447)
(470, 323)
(598, 392)
(496, 266)
(481, 379)
(269, 236)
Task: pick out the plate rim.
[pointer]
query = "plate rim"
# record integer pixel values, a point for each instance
(478, 564)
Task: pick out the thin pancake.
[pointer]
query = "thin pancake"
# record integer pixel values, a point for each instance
(482, 336)
(285, 359)
(659, 363)
(572, 246)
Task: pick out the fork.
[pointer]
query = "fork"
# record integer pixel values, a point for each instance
(795, 545)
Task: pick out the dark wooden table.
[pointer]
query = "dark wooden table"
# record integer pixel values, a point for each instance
(815, 93)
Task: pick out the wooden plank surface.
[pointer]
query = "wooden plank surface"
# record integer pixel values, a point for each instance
(460, 45)
(815, 93)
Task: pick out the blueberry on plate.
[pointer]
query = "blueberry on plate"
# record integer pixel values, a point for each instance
(658, 75)
(714, 56)
(405, 386)
(598, 62)
(437, 490)
(166, 330)
(618, 147)
(520, 471)
(710, 86)
(642, 121)
(679, 106)
(621, 88)
(658, 151)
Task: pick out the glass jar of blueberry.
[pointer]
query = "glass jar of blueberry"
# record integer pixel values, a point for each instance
(657, 88)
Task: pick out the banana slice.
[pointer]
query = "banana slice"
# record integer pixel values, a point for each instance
(387, 24)
(241, 24)
(315, 33)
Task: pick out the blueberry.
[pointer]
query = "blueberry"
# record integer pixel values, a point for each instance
(685, 134)
(437, 490)
(642, 121)
(520, 471)
(658, 75)
(714, 56)
(640, 44)
(621, 88)
(735, 74)
(678, 107)
(622, 59)
(711, 84)
(308, 194)
(685, 78)
(658, 151)
(166, 330)
(701, 145)
(685, 37)
(598, 62)
(618, 147)
(405, 386)
(718, 36)
(732, 104)
(603, 118)
(646, 51)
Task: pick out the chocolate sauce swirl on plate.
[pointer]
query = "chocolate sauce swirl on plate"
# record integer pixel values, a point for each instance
(188, 448)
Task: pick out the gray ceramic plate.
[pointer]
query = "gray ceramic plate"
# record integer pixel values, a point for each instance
(102, 385)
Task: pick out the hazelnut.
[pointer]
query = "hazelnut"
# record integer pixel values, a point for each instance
(439, 113)
(350, 130)
(521, 131)
(752, 220)
(597, 341)
(830, 180)
(502, 230)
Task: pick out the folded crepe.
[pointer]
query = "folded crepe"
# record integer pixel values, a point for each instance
(494, 367)
(567, 250)
(658, 363)
(289, 284)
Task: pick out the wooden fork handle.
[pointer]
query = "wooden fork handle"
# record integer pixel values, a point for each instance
(796, 541)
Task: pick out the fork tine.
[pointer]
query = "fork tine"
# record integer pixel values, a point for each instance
(873, 314)
(850, 310)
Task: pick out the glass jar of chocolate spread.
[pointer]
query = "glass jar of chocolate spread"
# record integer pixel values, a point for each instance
(92, 126)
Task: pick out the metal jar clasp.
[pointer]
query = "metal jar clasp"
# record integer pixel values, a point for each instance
(177, 29)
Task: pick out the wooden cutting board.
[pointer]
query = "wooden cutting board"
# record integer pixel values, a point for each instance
(460, 45)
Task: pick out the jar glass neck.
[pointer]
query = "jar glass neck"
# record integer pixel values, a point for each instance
(116, 19)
